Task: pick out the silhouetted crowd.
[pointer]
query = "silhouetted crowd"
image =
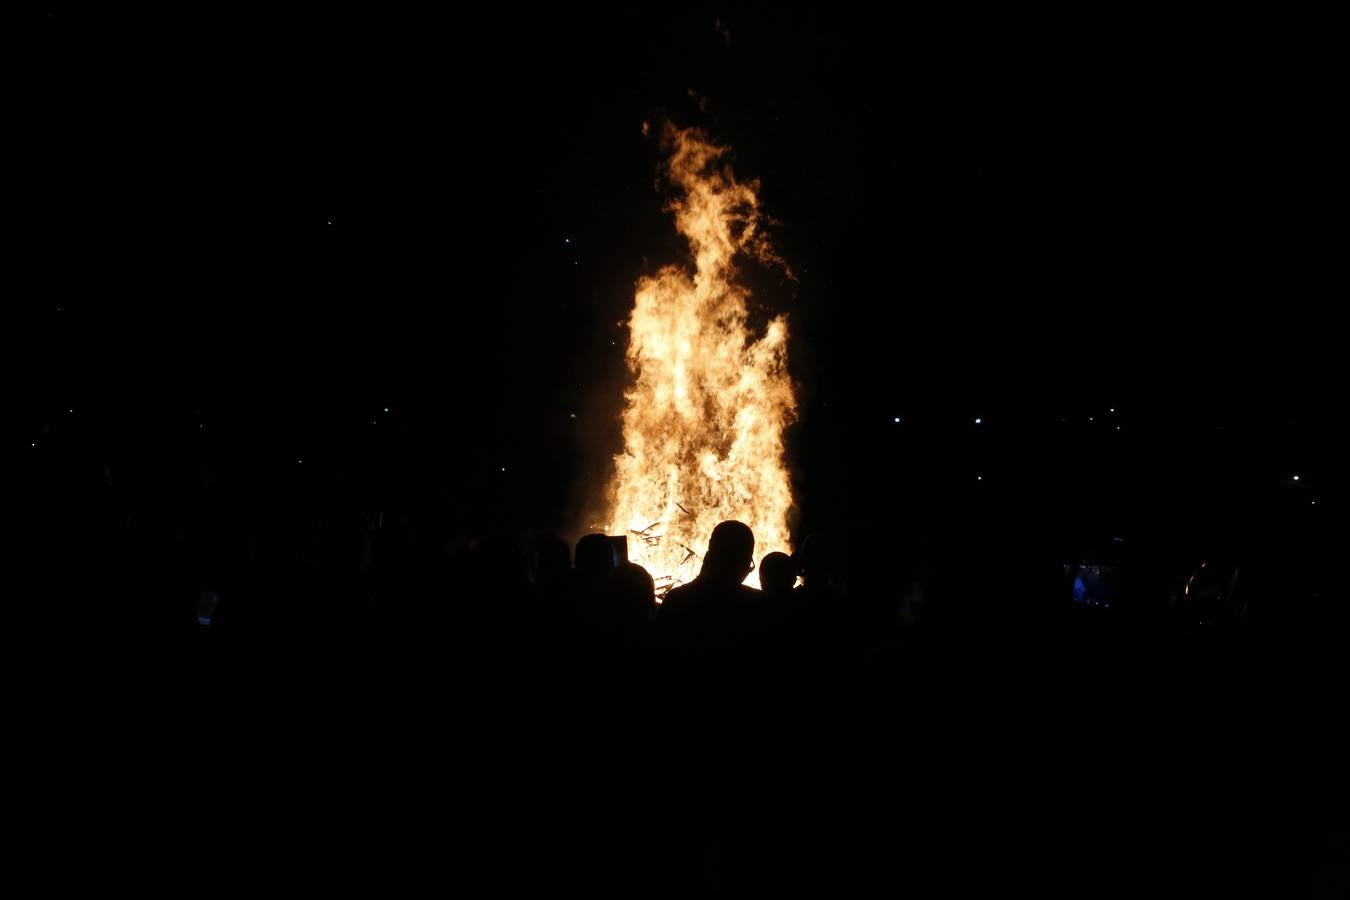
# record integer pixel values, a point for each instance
(861, 702)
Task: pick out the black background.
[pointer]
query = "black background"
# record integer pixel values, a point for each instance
(239, 237)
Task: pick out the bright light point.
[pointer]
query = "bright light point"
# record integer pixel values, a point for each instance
(979, 478)
(1111, 410)
(386, 409)
(571, 415)
(897, 420)
(34, 444)
(1090, 419)
(567, 240)
(979, 421)
(1314, 502)
(1296, 478)
(1117, 428)
(299, 461)
(503, 468)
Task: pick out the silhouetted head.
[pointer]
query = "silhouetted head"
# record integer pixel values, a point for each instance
(595, 556)
(777, 573)
(633, 592)
(731, 552)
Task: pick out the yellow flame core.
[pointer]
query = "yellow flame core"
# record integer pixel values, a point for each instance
(703, 425)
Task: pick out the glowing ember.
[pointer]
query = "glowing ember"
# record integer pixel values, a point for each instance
(703, 426)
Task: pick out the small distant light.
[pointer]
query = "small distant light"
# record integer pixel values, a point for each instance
(503, 468)
(571, 415)
(1117, 428)
(201, 424)
(1090, 419)
(386, 409)
(34, 444)
(979, 478)
(897, 420)
(1314, 502)
(567, 240)
(979, 421)
(1296, 478)
(299, 462)
(330, 221)
(374, 421)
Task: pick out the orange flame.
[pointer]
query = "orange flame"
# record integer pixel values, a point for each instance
(703, 425)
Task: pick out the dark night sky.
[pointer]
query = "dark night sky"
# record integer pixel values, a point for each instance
(280, 227)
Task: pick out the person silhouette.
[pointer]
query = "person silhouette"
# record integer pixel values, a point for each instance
(626, 602)
(777, 574)
(716, 612)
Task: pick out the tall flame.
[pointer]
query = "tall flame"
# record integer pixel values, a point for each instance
(703, 425)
